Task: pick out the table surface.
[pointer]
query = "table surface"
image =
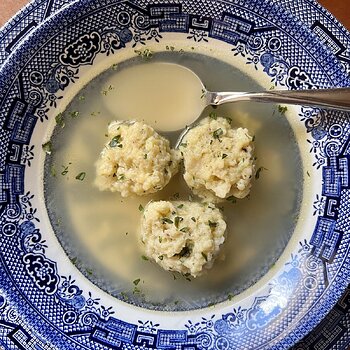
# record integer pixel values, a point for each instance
(339, 8)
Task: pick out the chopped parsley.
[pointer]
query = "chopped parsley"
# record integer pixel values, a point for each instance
(80, 176)
(65, 170)
(224, 156)
(183, 144)
(213, 115)
(185, 229)
(308, 174)
(115, 142)
(160, 257)
(106, 91)
(218, 133)
(53, 171)
(253, 138)
(170, 48)
(136, 282)
(47, 147)
(257, 174)
(185, 252)
(204, 92)
(193, 219)
(114, 66)
(282, 109)
(230, 296)
(212, 224)
(205, 256)
(60, 120)
(160, 239)
(180, 206)
(145, 54)
(177, 195)
(145, 156)
(81, 98)
(167, 221)
(94, 114)
(144, 257)
(74, 114)
(177, 221)
(121, 177)
(141, 208)
(74, 260)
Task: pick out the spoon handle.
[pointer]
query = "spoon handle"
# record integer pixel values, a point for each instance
(325, 98)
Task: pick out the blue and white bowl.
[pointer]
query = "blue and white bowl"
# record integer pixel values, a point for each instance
(51, 303)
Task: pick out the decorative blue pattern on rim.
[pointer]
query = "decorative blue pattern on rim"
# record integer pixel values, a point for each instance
(324, 242)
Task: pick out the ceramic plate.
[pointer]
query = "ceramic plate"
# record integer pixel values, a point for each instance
(44, 291)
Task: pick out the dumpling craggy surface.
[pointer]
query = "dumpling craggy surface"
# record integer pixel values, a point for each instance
(218, 159)
(183, 237)
(135, 160)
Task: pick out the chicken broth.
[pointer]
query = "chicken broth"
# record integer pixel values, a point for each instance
(99, 230)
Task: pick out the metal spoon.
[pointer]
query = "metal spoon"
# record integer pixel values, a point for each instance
(337, 98)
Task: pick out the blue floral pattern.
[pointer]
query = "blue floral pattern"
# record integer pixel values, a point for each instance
(80, 313)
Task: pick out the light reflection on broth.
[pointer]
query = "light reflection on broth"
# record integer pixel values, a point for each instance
(99, 230)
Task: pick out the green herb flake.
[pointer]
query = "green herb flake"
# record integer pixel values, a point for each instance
(114, 66)
(193, 219)
(231, 199)
(177, 221)
(205, 256)
(177, 195)
(143, 257)
(47, 147)
(141, 208)
(176, 302)
(212, 224)
(136, 291)
(74, 114)
(282, 109)
(124, 295)
(230, 296)
(224, 156)
(74, 260)
(94, 114)
(121, 177)
(213, 115)
(204, 92)
(106, 91)
(60, 120)
(161, 257)
(229, 120)
(145, 54)
(53, 171)
(167, 221)
(65, 170)
(218, 133)
(145, 156)
(272, 87)
(160, 239)
(257, 174)
(136, 282)
(115, 141)
(180, 206)
(253, 138)
(183, 144)
(80, 176)
(185, 252)
(308, 174)
(185, 229)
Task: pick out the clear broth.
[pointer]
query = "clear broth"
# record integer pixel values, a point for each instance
(99, 230)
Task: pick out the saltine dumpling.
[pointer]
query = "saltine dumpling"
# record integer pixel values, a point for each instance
(136, 160)
(218, 159)
(182, 237)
